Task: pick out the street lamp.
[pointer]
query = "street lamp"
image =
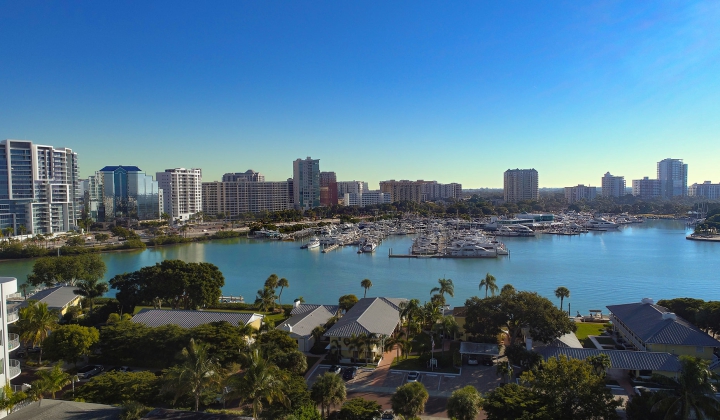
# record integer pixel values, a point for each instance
(74, 378)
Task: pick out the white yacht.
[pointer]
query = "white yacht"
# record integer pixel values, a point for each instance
(601, 224)
(313, 243)
(369, 246)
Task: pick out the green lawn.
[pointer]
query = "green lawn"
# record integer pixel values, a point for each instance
(586, 329)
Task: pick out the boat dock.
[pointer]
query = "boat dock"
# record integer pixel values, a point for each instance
(330, 248)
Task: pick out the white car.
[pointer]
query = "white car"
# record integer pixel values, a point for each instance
(473, 361)
(413, 376)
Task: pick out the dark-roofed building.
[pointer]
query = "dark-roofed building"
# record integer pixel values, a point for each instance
(653, 328)
(59, 298)
(373, 317)
(190, 319)
(639, 363)
(48, 409)
(304, 318)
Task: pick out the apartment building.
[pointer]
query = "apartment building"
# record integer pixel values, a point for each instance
(182, 192)
(435, 191)
(672, 174)
(352, 187)
(39, 188)
(520, 184)
(234, 198)
(10, 341)
(403, 190)
(707, 189)
(328, 189)
(367, 198)
(579, 193)
(248, 176)
(613, 186)
(306, 183)
(646, 188)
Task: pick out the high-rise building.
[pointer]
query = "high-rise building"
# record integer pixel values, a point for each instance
(328, 189)
(520, 184)
(124, 191)
(579, 193)
(646, 188)
(672, 174)
(367, 198)
(613, 186)
(435, 191)
(707, 189)
(352, 187)
(306, 183)
(249, 176)
(182, 192)
(234, 198)
(403, 190)
(10, 368)
(39, 188)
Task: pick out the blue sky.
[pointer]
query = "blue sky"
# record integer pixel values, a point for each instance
(451, 91)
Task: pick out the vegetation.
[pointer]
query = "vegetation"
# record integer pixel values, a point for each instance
(409, 400)
(359, 409)
(691, 394)
(49, 382)
(119, 387)
(35, 323)
(464, 404)
(49, 271)
(328, 390)
(197, 373)
(70, 343)
(704, 315)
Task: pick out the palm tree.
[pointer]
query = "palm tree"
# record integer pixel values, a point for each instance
(9, 231)
(52, 381)
(328, 390)
(261, 382)
(272, 281)
(36, 322)
(562, 292)
(507, 289)
(282, 283)
(355, 342)
(409, 309)
(395, 342)
(692, 392)
(366, 284)
(197, 373)
(489, 284)
(430, 313)
(265, 299)
(91, 289)
(445, 286)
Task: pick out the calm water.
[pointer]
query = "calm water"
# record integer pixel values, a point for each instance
(644, 260)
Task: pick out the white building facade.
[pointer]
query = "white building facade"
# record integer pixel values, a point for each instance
(367, 198)
(240, 197)
(579, 193)
(352, 187)
(10, 342)
(613, 186)
(181, 192)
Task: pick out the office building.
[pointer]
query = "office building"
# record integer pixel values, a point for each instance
(613, 186)
(579, 193)
(672, 174)
(352, 187)
(182, 192)
(368, 198)
(123, 192)
(235, 198)
(328, 189)
(39, 188)
(306, 183)
(10, 341)
(249, 176)
(646, 188)
(707, 189)
(520, 184)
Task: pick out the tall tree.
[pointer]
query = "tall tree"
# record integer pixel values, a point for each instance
(265, 299)
(464, 404)
(261, 381)
(562, 293)
(90, 290)
(282, 284)
(70, 342)
(36, 322)
(444, 286)
(328, 390)
(507, 289)
(366, 284)
(52, 380)
(489, 283)
(197, 373)
(346, 302)
(409, 400)
(272, 281)
(409, 310)
(692, 394)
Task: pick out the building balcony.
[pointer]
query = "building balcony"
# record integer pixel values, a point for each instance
(14, 370)
(12, 316)
(13, 341)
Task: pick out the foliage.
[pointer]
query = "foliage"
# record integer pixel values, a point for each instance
(50, 381)
(409, 400)
(197, 373)
(347, 301)
(512, 401)
(118, 387)
(187, 285)
(328, 390)
(490, 284)
(464, 404)
(366, 284)
(10, 398)
(519, 355)
(298, 395)
(261, 383)
(223, 340)
(692, 394)
(359, 409)
(36, 322)
(305, 412)
(138, 344)
(279, 348)
(562, 293)
(70, 343)
(133, 410)
(640, 407)
(49, 271)
(91, 289)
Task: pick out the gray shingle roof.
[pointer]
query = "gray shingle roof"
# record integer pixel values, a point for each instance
(66, 410)
(190, 319)
(56, 297)
(303, 323)
(307, 307)
(619, 359)
(369, 316)
(646, 321)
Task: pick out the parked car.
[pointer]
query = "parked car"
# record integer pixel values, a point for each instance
(413, 376)
(89, 371)
(387, 415)
(350, 373)
(472, 361)
(335, 369)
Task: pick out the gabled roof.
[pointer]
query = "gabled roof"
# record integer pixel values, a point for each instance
(646, 321)
(190, 319)
(303, 324)
(619, 359)
(57, 297)
(369, 316)
(116, 167)
(308, 307)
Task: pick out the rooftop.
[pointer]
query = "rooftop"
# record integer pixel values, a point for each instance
(48, 409)
(620, 359)
(646, 320)
(369, 316)
(190, 319)
(115, 168)
(307, 307)
(57, 297)
(303, 323)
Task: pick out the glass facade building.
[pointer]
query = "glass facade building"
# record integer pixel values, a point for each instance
(124, 191)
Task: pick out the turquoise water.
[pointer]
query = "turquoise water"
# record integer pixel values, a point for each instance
(652, 259)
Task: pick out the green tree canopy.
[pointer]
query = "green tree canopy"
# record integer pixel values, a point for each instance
(197, 373)
(409, 400)
(70, 343)
(464, 404)
(359, 409)
(692, 393)
(512, 401)
(347, 301)
(118, 387)
(36, 322)
(328, 390)
(49, 271)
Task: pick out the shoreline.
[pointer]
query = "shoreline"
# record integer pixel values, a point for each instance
(715, 238)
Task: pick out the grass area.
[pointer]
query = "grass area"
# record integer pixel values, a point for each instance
(418, 363)
(586, 329)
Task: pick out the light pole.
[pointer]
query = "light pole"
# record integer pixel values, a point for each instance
(74, 378)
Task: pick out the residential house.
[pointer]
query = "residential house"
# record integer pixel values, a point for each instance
(635, 363)
(304, 318)
(190, 319)
(58, 298)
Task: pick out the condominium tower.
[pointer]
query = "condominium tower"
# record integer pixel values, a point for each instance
(672, 174)
(520, 184)
(235, 198)
(328, 189)
(182, 192)
(707, 189)
(124, 191)
(352, 187)
(249, 176)
(579, 193)
(38, 188)
(9, 367)
(306, 183)
(613, 186)
(646, 188)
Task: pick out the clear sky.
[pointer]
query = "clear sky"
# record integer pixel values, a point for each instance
(451, 91)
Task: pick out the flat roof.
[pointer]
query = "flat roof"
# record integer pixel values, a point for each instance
(479, 348)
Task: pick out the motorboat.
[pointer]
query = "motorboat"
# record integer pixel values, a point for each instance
(369, 246)
(601, 224)
(313, 243)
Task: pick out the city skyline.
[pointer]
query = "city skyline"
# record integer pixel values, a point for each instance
(449, 92)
